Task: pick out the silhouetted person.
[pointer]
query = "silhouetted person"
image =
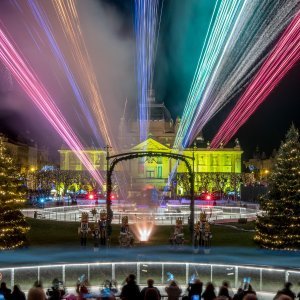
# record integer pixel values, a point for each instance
(5, 291)
(209, 293)
(224, 290)
(150, 292)
(241, 293)
(17, 294)
(173, 291)
(130, 291)
(286, 291)
(195, 288)
(57, 290)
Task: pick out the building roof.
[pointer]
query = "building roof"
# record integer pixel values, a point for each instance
(150, 144)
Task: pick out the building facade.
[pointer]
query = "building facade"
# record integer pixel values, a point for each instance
(261, 166)
(28, 158)
(214, 169)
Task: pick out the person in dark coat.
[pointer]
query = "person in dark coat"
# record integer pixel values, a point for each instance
(209, 293)
(241, 293)
(57, 290)
(224, 290)
(17, 294)
(6, 292)
(286, 291)
(195, 289)
(150, 292)
(173, 291)
(130, 291)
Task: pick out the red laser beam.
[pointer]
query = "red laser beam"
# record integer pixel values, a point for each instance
(282, 58)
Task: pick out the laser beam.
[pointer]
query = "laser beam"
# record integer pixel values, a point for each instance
(260, 25)
(255, 26)
(70, 24)
(68, 17)
(146, 28)
(224, 17)
(44, 23)
(35, 90)
(282, 58)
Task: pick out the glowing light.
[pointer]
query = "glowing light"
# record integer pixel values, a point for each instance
(69, 19)
(224, 18)
(146, 17)
(144, 231)
(283, 57)
(241, 54)
(42, 21)
(144, 235)
(41, 98)
(170, 276)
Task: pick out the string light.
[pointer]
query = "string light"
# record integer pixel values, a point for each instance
(278, 227)
(13, 226)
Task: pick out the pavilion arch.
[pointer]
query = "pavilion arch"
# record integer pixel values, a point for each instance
(113, 160)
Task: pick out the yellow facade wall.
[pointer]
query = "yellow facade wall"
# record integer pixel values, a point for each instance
(156, 171)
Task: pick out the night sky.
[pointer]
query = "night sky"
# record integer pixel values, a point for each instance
(182, 31)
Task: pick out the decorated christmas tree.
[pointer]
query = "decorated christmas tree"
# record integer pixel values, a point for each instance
(13, 226)
(279, 225)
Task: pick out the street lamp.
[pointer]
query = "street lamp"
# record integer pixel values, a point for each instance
(108, 194)
(266, 175)
(192, 204)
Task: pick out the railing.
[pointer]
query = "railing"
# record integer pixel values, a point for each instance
(160, 217)
(262, 278)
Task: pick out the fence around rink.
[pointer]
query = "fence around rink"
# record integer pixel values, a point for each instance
(73, 214)
(262, 278)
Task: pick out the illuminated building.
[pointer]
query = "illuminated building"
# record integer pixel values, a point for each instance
(261, 166)
(28, 158)
(153, 173)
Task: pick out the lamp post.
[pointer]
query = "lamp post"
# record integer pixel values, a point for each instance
(192, 204)
(108, 195)
(266, 176)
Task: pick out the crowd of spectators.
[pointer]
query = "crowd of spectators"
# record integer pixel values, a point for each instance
(132, 291)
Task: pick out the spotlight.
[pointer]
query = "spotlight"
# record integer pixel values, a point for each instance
(143, 231)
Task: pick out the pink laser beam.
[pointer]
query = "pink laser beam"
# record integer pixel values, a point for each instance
(41, 98)
(283, 57)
